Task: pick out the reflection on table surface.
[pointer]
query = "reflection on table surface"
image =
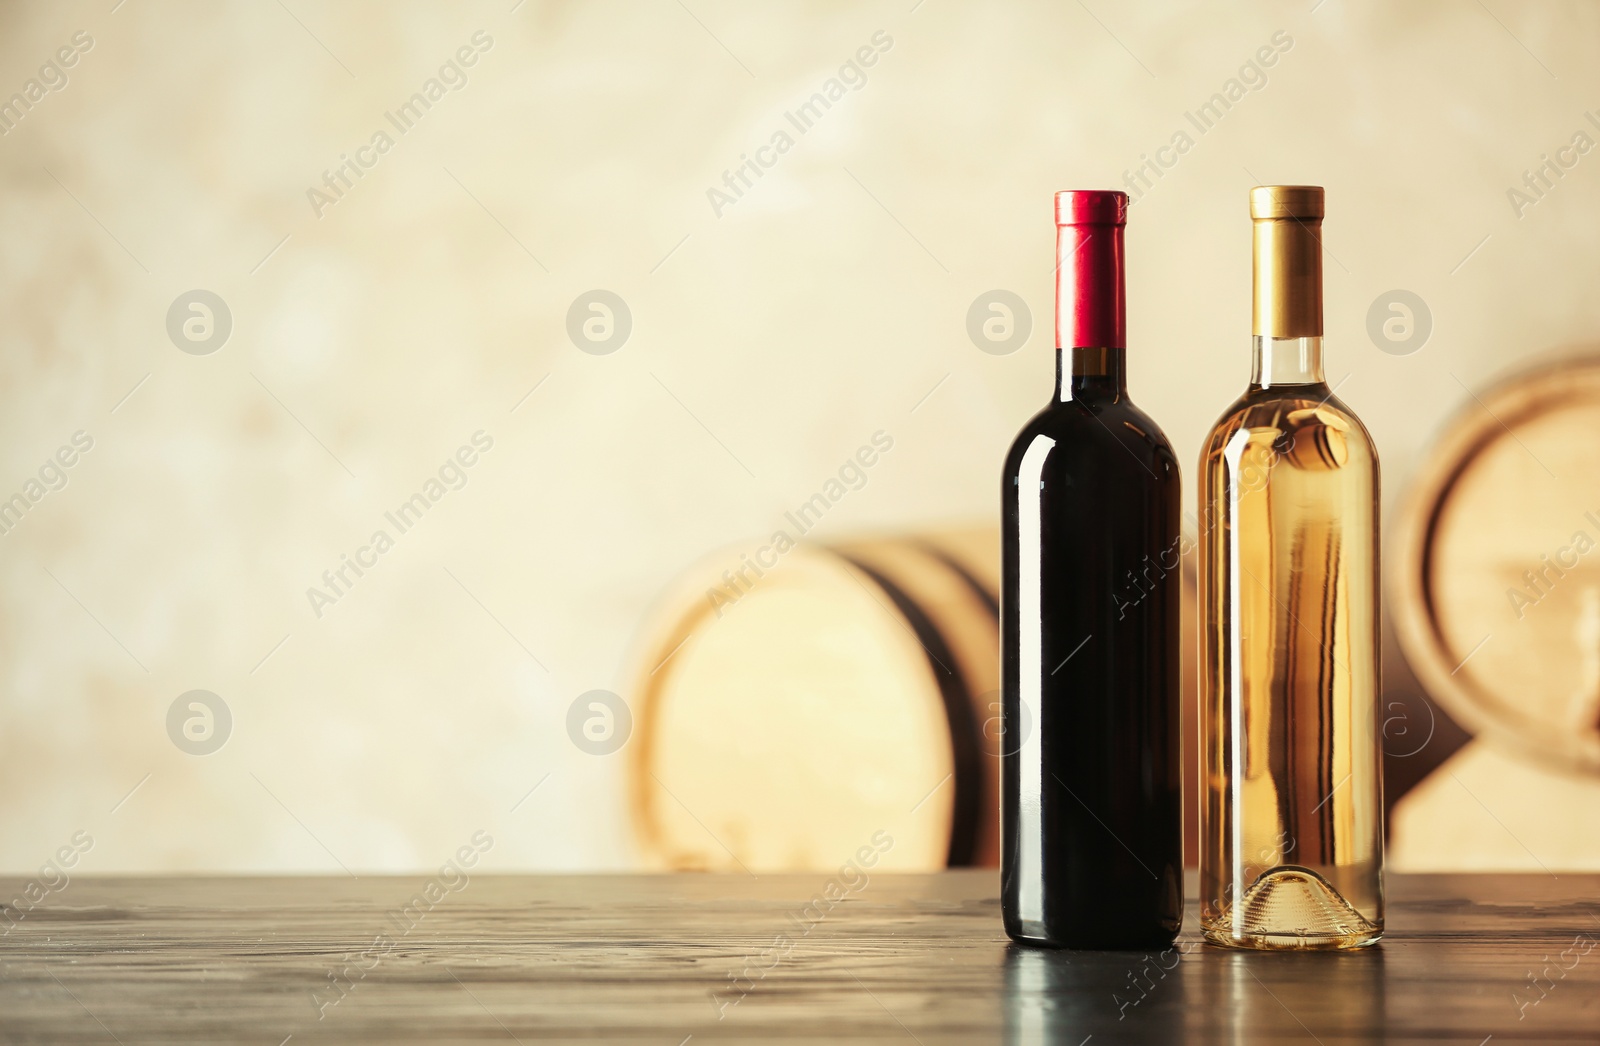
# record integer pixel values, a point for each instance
(1192, 990)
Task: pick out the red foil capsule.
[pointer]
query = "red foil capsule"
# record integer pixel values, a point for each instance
(1091, 303)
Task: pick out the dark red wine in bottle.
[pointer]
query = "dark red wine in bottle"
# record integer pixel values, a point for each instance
(1091, 818)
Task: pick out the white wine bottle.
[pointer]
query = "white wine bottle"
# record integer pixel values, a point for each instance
(1292, 810)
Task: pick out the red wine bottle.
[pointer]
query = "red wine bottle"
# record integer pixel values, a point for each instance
(1091, 821)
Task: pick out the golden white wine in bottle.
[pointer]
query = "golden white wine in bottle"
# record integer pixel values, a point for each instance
(1292, 811)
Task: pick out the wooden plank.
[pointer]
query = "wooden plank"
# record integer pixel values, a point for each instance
(647, 959)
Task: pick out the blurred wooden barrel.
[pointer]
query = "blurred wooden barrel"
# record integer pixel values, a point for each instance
(785, 718)
(849, 689)
(1495, 577)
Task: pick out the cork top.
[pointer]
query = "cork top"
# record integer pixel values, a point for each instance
(1287, 224)
(1302, 202)
(1091, 207)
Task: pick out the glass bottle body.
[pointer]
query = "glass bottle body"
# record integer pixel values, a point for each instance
(1091, 825)
(1292, 810)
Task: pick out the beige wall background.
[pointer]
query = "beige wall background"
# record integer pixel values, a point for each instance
(429, 303)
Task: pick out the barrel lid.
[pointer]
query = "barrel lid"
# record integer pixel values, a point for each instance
(1495, 584)
(782, 724)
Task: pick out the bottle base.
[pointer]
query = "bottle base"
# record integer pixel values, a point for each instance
(1291, 908)
(1032, 935)
(1223, 937)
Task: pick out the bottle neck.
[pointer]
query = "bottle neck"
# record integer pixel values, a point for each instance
(1091, 375)
(1091, 303)
(1287, 287)
(1286, 361)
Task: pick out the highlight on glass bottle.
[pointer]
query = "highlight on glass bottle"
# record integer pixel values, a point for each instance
(1292, 804)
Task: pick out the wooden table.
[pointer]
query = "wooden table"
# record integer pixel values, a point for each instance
(647, 959)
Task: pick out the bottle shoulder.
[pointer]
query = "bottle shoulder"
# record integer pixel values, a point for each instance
(1115, 428)
(1295, 421)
